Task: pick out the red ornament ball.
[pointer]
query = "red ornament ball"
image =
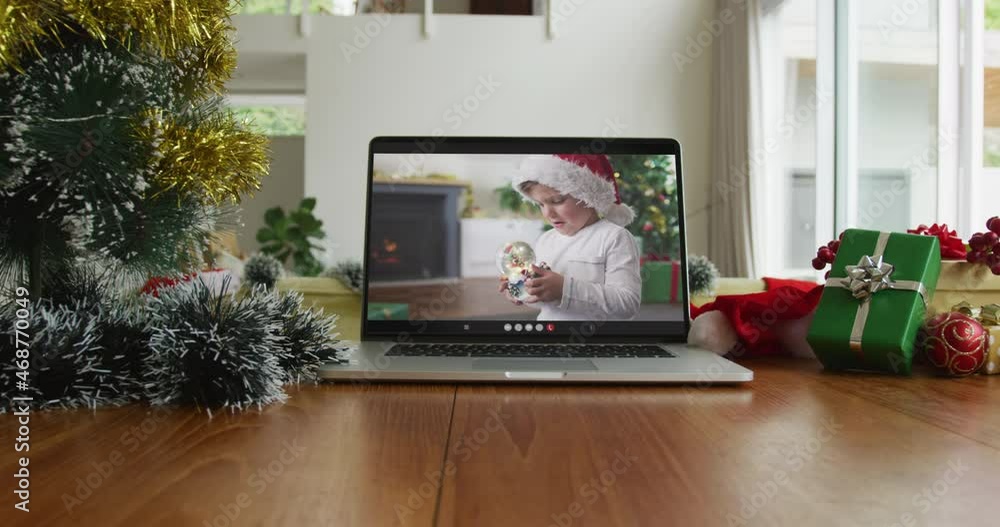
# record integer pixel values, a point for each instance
(647, 227)
(955, 343)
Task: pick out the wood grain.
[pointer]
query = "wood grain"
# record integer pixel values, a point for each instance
(968, 406)
(364, 449)
(794, 448)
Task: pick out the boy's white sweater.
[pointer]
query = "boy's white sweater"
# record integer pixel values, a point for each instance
(600, 267)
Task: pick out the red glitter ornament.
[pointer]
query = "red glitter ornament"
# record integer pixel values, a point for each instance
(955, 343)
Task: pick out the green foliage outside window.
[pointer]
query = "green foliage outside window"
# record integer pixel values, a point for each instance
(991, 156)
(993, 14)
(278, 7)
(991, 153)
(275, 120)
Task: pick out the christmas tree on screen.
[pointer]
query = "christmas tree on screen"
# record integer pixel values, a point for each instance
(649, 185)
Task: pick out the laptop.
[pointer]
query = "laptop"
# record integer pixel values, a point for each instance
(540, 260)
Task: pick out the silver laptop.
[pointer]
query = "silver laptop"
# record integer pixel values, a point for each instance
(526, 260)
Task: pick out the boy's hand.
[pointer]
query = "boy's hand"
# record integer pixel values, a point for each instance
(506, 292)
(547, 286)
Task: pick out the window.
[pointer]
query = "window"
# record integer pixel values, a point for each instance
(991, 115)
(895, 142)
(796, 127)
(896, 112)
(272, 115)
(294, 7)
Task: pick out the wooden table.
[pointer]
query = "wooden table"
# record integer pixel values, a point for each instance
(795, 447)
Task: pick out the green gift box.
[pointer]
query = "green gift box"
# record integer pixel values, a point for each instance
(386, 311)
(660, 282)
(875, 301)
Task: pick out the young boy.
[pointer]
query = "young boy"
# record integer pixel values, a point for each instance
(594, 261)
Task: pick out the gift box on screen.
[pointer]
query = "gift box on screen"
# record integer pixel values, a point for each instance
(660, 281)
(875, 301)
(386, 311)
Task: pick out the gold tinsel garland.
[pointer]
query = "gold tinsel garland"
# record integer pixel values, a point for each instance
(216, 161)
(194, 34)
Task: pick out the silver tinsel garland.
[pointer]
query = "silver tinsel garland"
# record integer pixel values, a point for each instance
(191, 345)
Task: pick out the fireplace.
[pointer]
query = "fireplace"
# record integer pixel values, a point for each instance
(414, 232)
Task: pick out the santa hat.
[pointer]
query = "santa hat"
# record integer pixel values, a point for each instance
(586, 177)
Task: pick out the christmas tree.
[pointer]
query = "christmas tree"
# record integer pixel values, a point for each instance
(119, 160)
(117, 148)
(648, 184)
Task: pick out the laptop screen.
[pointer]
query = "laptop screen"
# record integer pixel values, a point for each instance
(534, 239)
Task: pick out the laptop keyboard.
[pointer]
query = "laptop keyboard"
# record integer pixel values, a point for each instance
(602, 351)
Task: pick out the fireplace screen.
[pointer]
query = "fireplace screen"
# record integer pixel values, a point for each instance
(414, 236)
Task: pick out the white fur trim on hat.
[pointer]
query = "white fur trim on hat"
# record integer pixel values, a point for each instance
(576, 181)
(620, 214)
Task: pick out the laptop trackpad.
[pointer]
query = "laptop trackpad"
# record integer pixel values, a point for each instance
(534, 365)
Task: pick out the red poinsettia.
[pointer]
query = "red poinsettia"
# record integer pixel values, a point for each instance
(952, 247)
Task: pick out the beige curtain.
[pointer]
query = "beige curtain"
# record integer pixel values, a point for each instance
(738, 131)
(730, 219)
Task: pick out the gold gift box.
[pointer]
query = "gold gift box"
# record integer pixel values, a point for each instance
(964, 282)
(992, 365)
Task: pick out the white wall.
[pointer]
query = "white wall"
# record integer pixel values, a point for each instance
(611, 62)
(486, 173)
(282, 187)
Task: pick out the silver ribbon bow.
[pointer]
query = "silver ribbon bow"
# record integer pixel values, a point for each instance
(870, 276)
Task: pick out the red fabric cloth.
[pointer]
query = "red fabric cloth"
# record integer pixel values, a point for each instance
(156, 283)
(755, 316)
